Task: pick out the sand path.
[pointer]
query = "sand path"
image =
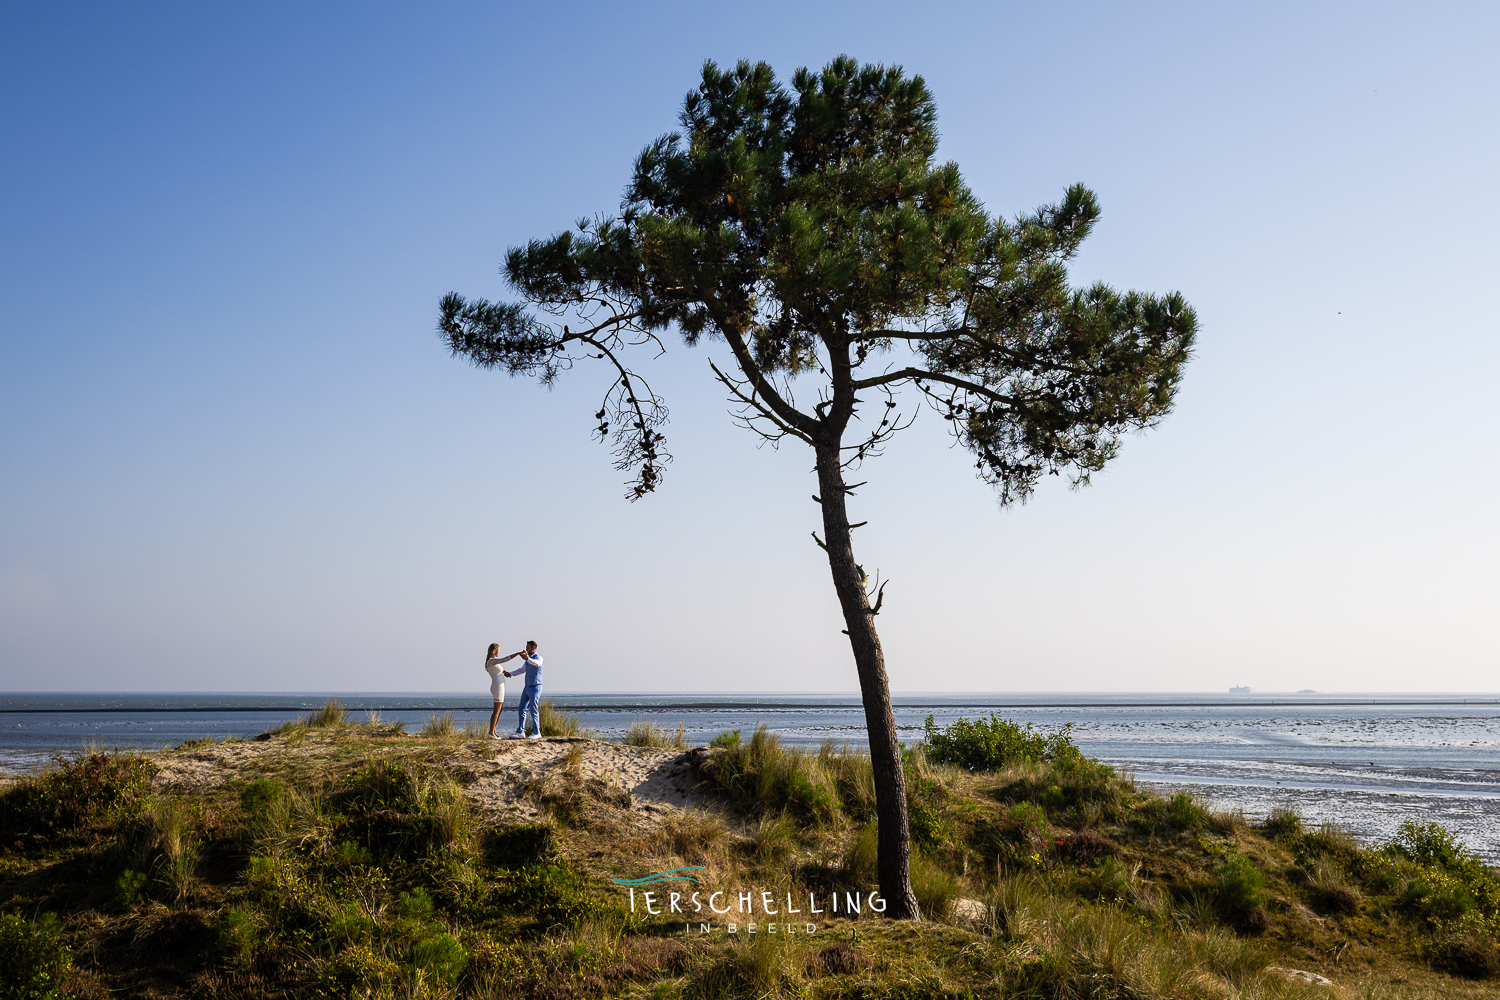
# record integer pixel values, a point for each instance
(498, 776)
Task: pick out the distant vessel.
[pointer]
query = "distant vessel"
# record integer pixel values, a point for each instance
(1239, 690)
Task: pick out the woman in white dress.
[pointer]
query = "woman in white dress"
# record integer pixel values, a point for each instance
(492, 661)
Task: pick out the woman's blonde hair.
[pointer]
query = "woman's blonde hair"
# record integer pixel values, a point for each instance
(493, 651)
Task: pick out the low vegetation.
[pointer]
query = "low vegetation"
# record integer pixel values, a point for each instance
(644, 733)
(990, 744)
(342, 859)
(555, 722)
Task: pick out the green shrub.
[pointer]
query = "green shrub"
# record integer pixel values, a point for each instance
(1453, 882)
(379, 784)
(1438, 898)
(1042, 975)
(415, 904)
(441, 956)
(803, 798)
(33, 957)
(259, 793)
(423, 805)
(348, 854)
(1378, 874)
(1086, 847)
(357, 971)
(394, 812)
(239, 935)
(1240, 888)
(287, 893)
(130, 886)
(1081, 791)
(1185, 814)
(1413, 896)
(728, 739)
(550, 894)
(1432, 846)
(1472, 955)
(1282, 823)
(1331, 894)
(990, 744)
(1177, 812)
(1019, 840)
(761, 968)
(774, 836)
(173, 826)
(1110, 879)
(521, 845)
(926, 796)
(79, 791)
(1332, 842)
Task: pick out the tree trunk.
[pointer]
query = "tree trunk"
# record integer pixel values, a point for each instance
(894, 853)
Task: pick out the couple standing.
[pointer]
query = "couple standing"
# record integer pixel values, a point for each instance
(531, 694)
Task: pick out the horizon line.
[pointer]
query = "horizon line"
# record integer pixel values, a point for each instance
(679, 692)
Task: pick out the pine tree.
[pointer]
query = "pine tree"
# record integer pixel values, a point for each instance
(810, 230)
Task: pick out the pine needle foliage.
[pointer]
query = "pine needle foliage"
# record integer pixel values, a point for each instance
(811, 229)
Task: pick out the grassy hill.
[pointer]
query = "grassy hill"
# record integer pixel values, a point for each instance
(334, 859)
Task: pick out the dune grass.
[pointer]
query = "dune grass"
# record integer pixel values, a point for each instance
(645, 733)
(556, 722)
(438, 724)
(331, 714)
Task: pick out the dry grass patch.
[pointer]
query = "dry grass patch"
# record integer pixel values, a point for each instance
(553, 721)
(695, 836)
(645, 733)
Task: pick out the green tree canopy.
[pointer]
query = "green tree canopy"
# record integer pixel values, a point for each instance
(811, 230)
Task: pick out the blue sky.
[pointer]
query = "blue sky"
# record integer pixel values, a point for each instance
(233, 454)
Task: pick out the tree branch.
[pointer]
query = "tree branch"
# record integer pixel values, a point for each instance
(792, 418)
(750, 401)
(918, 373)
(1017, 357)
(642, 446)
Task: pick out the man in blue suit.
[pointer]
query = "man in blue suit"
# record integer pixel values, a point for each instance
(531, 694)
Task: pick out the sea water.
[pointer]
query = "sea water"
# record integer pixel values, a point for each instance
(1365, 762)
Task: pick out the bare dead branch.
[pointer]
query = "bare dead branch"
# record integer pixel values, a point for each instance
(760, 411)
